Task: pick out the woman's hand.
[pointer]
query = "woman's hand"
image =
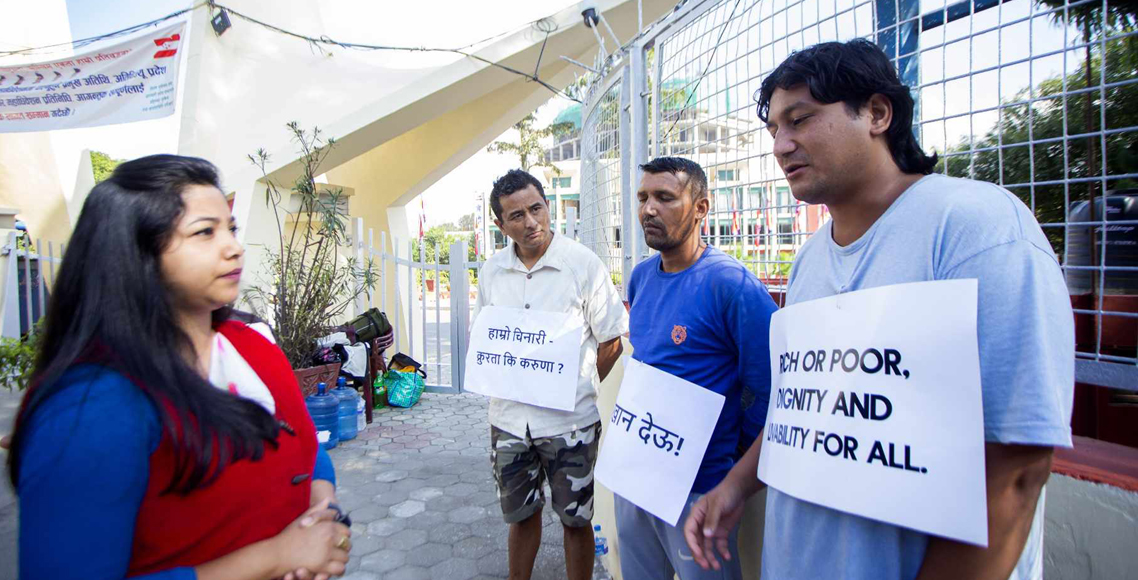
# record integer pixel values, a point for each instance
(322, 490)
(314, 544)
(323, 494)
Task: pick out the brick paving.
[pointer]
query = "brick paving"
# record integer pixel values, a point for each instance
(418, 486)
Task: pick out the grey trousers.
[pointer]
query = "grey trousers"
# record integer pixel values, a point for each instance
(650, 549)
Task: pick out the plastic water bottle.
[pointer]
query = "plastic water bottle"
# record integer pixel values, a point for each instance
(361, 416)
(600, 550)
(324, 409)
(347, 409)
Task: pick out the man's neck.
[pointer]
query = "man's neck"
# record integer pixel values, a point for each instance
(682, 257)
(856, 213)
(529, 259)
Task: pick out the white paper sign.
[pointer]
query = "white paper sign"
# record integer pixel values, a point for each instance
(131, 81)
(528, 356)
(655, 439)
(876, 410)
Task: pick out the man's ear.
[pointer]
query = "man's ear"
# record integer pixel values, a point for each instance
(880, 111)
(702, 207)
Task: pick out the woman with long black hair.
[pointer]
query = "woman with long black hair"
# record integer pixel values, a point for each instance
(164, 435)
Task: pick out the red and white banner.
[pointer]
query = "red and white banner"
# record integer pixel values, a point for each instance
(132, 81)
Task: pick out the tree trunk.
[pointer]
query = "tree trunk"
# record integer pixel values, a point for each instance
(1092, 158)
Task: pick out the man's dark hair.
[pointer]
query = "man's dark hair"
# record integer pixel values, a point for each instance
(513, 181)
(852, 72)
(697, 179)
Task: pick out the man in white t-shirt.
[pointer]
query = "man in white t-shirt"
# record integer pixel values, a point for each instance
(842, 128)
(545, 271)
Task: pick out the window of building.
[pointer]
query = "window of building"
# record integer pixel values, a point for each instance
(726, 174)
(786, 230)
(561, 182)
(782, 195)
(570, 203)
(710, 136)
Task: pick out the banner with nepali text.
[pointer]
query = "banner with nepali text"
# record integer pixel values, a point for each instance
(136, 80)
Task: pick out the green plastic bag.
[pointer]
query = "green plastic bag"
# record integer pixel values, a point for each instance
(403, 389)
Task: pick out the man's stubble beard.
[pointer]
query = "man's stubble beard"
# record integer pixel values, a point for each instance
(669, 242)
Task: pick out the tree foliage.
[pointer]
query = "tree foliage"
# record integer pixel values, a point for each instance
(102, 165)
(529, 149)
(1011, 153)
(307, 285)
(468, 222)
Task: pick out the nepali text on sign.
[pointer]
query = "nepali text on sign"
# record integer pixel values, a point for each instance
(655, 439)
(135, 80)
(528, 356)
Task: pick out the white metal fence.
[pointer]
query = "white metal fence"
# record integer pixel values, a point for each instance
(1039, 96)
(429, 305)
(32, 268)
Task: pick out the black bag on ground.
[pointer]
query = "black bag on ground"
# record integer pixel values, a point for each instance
(370, 325)
(401, 362)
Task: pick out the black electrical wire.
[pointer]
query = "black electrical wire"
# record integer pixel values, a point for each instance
(318, 42)
(324, 40)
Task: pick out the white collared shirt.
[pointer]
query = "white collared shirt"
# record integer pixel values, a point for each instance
(568, 278)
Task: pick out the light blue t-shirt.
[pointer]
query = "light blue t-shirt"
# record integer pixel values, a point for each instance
(942, 228)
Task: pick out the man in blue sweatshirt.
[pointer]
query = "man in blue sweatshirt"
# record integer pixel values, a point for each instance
(700, 315)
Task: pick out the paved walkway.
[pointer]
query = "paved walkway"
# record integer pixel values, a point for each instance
(9, 517)
(418, 486)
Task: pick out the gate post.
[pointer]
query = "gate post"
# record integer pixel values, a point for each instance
(358, 245)
(459, 312)
(571, 223)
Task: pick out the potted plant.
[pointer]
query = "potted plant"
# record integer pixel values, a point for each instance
(306, 284)
(18, 358)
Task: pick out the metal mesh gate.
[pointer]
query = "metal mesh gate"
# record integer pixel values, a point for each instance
(1039, 96)
(601, 219)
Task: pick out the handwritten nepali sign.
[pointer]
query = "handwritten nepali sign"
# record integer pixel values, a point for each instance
(655, 439)
(132, 81)
(876, 409)
(527, 356)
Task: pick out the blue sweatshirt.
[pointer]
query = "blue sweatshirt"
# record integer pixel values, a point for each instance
(709, 325)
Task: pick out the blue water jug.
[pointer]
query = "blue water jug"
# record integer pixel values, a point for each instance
(324, 408)
(347, 409)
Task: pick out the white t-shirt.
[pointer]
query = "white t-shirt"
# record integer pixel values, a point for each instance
(568, 278)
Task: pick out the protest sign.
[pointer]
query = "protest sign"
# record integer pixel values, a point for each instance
(655, 439)
(528, 356)
(876, 410)
(131, 81)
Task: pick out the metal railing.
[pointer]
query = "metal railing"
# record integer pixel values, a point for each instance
(1038, 96)
(28, 281)
(429, 304)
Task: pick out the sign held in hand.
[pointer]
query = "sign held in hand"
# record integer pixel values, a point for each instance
(655, 439)
(880, 390)
(528, 356)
